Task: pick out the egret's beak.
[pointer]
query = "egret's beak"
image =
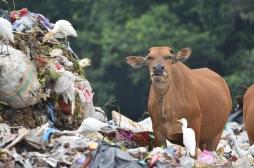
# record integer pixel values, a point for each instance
(44, 40)
(47, 37)
(179, 121)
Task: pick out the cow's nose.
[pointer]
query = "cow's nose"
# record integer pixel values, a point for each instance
(158, 69)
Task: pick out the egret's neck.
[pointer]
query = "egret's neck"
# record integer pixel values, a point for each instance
(53, 31)
(184, 126)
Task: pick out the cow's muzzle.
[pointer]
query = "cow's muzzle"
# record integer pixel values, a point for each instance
(158, 70)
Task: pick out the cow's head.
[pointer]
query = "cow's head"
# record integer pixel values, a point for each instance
(159, 61)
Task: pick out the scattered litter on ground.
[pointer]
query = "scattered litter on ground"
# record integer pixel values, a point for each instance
(99, 144)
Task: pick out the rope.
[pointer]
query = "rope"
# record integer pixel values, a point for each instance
(161, 98)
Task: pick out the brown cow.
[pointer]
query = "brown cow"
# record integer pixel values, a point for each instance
(248, 113)
(199, 95)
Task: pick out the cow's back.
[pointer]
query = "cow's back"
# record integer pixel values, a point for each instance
(248, 113)
(214, 100)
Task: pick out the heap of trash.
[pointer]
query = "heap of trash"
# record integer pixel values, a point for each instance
(42, 81)
(120, 142)
(47, 116)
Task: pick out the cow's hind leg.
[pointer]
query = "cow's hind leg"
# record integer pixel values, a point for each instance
(251, 141)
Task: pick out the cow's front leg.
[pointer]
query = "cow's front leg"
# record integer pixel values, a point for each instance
(159, 138)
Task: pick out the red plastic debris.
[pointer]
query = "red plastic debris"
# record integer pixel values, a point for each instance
(15, 15)
(65, 107)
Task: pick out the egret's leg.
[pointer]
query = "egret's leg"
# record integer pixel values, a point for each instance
(7, 54)
(7, 51)
(67, 45)
(4, 52)
(66, 41)
(2, 44)
(187, 153)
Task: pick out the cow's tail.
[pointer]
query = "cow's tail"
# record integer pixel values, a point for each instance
(237, 113)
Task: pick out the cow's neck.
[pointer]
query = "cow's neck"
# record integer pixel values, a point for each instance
(177, 86)
(180, 79)
(161, 97)
(161, 92)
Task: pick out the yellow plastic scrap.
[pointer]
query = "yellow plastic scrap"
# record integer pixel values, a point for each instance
(92, 145)
(84, 62)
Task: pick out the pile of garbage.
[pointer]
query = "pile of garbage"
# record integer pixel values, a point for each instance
(47, 116)
(114, 144)
(42, 81)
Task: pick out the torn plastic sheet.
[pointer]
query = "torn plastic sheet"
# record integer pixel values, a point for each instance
(108, 156)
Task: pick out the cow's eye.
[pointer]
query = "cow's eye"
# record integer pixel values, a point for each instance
(167, 57)
(150, 58)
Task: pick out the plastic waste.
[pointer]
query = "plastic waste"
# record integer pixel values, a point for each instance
(51, 112)
(108, 156)
(91, 124)
(48, 133)
(187, 162)
(24, 24)
(206, 157)
(19, 86)
(124, 122)
(65, 80)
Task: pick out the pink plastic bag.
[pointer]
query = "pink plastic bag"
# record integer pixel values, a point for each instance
(206, 157)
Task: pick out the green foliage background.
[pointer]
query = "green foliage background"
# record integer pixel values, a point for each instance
(220, 33)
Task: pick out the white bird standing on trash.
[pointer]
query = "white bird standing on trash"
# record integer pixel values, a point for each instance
(6, 34)
(240, 152)
(189, 139)
(63, 27)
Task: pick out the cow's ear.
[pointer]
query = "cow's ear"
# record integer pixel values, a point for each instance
(183, 54)
(136, 61)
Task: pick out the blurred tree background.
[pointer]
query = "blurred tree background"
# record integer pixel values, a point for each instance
(220, 33)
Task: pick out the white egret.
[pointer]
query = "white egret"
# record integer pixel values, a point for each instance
(6, 34)
(240, 152)
(189, 139)
(63, 27)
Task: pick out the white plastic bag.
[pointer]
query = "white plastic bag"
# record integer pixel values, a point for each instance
(19, 86)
